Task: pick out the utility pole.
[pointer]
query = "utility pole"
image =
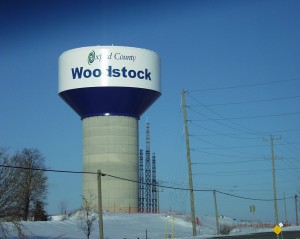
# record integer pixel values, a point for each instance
(285, 213)
(158, 197)
(274, 177)
(187, 141)
(100, 205)
(296, 205)
(217, 214)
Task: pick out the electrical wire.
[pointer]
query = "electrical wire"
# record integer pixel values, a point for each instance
(130, 180)
(245, 85)
(249, 131)
(253, 199)
(252, 156)
(250, 117)
(228, 162)
(249, 101)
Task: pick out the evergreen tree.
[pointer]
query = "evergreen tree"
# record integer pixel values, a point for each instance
(39, 213)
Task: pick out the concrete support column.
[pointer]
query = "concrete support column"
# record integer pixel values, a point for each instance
(110, 143)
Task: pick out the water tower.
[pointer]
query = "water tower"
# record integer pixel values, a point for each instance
(110, 87)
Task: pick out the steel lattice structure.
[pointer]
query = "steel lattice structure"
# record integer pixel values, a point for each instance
(141, 182)
(154, 185)
(148, 172)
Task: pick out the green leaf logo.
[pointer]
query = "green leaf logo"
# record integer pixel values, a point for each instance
(91, 57)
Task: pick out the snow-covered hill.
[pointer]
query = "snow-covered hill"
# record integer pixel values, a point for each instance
(167, 225)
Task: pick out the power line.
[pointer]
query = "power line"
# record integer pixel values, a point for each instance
(250, 117)
(243, 172)
(130, 180)
(249, 102)
(237, 162)
(246, 85)
(253, 199)
(296, 150)
(217, 133)
(250, 131)
(234, 134)
(94, 173)
(233, 147)
(229, 156)
(221, 123)
(231, 135)
(49, 170)
(239, 147)
(228, 162)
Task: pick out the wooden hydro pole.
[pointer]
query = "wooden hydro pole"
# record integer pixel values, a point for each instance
(189, 165)
(217, 214)
(100, 220)
(274, 177)
(296, 207)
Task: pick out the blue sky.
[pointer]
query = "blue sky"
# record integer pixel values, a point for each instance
(238, 62)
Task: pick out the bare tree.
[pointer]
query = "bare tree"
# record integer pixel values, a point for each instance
(88, 215)
(62, 207)
(9, 195)
(33, 184)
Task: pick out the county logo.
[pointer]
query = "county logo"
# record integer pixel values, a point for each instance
(91, 57)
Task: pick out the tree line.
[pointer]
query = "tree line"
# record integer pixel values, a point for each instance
(23, 190)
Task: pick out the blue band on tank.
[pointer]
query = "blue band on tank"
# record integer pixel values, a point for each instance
(101, 101)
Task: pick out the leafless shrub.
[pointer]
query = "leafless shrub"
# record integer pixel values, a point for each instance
(225, 229)
(62, 207)
(88, 215)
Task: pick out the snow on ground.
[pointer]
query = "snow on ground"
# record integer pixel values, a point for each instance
(130, 226)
